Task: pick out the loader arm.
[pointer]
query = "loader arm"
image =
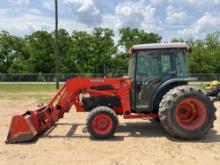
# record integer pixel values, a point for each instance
(27, 126)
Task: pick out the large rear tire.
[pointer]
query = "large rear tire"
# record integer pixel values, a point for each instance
(187, 112)
(102, 122)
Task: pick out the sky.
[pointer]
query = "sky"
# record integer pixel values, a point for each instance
(169, 18)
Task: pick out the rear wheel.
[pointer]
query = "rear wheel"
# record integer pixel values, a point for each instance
(186, 112)
(102, 122)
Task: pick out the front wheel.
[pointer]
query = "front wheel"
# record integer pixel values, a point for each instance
(187, 112)
(102, 122)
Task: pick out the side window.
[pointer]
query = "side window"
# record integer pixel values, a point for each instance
(166, 64)
(153, 63)
(144, 64)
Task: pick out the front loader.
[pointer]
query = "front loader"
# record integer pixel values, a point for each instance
(156, 87)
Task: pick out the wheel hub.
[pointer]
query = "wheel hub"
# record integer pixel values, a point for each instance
(102, 124)
(183, 111)
(190, 113)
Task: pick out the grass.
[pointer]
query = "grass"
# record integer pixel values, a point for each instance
(41, 93)
(27, 88)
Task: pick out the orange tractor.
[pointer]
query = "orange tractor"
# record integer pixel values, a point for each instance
(156, 87)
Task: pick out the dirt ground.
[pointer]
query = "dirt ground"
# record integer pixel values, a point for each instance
(136, 142)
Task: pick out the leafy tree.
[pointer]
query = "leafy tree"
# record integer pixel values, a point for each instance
(205, 54)
(130, 37)
(177, 40)
(89, 51)
(64, 46)
(40, 47)
(103, 49)
(119, 63)
(20, 64)
(11, 53)
(199, 60)
(83, 52)
(76, 59)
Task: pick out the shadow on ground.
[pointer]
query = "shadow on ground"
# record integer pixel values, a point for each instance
(126, 130)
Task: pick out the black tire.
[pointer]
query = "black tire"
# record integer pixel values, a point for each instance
(111, 117)
(170, 106)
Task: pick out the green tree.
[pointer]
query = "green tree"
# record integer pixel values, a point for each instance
(205, 54)
(20, 64)
(130, 37)
(103, 49)
(64, 46)
(11, 53)
(40, 47)
(212, 45)
(76, 59)
(177, 40)
(199, 60)
(119, 63)
(88, 52)
(83, 52)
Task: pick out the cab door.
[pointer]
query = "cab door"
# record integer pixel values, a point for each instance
(152, 68)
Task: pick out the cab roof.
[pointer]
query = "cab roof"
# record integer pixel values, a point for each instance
(160, 46)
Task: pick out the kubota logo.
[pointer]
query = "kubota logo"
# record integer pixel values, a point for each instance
(96, 80)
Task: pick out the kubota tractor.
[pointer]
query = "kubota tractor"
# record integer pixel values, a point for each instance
(156, 87)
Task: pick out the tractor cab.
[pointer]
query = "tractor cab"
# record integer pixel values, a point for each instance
(155, 69)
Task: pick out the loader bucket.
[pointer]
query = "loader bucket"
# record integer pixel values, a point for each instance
(26, 127)
(22, 129)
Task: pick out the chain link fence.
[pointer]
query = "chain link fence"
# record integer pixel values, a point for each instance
(50, 77)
